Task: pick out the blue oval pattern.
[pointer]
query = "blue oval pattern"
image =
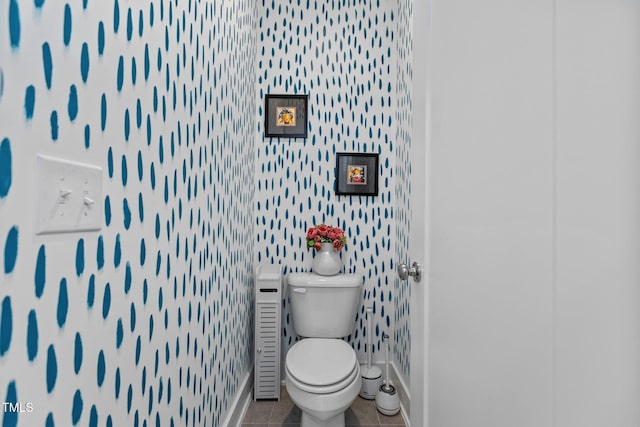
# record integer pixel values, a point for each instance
(6, 165)
(47, 63)
(101, 370)
(84, 62)
(76, 410)
(72, 105)
(91, 291)
(106, 301)
(63, 303)
(52, 368)
(29, 102)
(10, 419)
(77, 353)
(32, 336)
(11, 250)
(67, 25)
(6, 325)
(80, 257)
(53, 123)
(14, 24)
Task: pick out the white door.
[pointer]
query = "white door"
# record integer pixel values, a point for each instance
(530, 167)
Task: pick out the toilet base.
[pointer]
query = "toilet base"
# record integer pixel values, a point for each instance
(310, 421)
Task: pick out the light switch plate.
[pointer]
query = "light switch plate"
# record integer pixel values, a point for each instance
(68, 196)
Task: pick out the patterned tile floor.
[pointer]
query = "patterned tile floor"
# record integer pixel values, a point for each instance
(284, 413)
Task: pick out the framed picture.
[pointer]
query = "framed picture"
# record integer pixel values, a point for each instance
(285, 116)
(357, 174)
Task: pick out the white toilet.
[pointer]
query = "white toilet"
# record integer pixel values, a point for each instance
(322, 371)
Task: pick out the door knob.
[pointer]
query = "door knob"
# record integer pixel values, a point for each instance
(414, 271)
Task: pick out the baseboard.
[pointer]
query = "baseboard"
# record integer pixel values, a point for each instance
(240, 404)
(403, 391)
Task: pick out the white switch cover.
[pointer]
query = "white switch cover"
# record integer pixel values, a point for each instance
(69, 196)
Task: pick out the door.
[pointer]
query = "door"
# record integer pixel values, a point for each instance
(548, 187)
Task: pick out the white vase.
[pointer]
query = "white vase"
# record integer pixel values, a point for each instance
(327, 261)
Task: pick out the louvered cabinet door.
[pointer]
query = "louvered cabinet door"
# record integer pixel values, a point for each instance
(267, 347)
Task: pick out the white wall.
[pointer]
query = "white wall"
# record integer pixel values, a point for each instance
(535, 187)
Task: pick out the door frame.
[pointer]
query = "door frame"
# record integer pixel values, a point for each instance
(420, 217)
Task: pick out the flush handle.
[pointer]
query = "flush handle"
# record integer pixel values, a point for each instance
(414, 271)
(300, 290)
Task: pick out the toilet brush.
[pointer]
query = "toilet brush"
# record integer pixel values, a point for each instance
(371, 375)
(387, 399)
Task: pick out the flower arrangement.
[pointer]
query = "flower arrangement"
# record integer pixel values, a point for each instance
(323, 233)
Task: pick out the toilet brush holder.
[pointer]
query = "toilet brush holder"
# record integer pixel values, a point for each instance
(371, 381)
(387, 398)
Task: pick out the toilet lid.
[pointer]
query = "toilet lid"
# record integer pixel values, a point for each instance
(321, 362)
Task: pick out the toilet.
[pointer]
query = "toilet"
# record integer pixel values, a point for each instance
(322, 373)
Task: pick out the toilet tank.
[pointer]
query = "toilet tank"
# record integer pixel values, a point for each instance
(324, 306)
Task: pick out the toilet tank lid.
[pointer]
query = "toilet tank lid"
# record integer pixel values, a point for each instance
(313, 280)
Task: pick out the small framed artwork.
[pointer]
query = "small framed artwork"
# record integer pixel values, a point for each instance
(285, 116)
(357, 174)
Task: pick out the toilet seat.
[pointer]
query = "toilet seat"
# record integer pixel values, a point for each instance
(321, 366)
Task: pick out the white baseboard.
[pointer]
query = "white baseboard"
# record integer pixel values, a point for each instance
(240, 404)
(403, 391)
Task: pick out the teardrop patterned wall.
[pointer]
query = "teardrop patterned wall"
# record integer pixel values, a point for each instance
(343, 54)
(148, 321)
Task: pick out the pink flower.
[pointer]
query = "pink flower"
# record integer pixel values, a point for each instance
(323, 233)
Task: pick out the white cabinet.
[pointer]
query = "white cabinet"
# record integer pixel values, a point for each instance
(267, 332)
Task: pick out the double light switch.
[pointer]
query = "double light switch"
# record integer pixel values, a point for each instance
(67, 196)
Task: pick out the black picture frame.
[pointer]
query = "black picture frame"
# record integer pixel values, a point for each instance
(357, 174)
(285, 116)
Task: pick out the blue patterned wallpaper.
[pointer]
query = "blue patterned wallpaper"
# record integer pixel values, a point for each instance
(345, 55)
(148, 321)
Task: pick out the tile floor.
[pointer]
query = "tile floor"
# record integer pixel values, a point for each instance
(284, 413)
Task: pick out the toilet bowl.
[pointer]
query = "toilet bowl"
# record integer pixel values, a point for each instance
(322, 379)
